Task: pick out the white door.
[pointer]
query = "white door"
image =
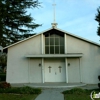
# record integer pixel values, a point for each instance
(73, 70)
(54, 71)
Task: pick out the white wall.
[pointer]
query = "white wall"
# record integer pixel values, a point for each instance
(35, 72)
(17, 64)
(73, 70)
(19, 68)
(90, 61)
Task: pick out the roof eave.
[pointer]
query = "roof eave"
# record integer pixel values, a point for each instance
(26, 39)
(78, 37)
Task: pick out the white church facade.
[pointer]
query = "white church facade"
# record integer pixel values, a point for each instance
(53, 56)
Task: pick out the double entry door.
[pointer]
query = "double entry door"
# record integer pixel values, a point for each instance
(54, 70)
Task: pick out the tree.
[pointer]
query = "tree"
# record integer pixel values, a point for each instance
(14, 20)
(3, 60)
(98, 20)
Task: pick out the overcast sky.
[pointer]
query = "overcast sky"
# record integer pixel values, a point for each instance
(74, 16)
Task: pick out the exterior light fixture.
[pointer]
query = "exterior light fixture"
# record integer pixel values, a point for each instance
(39, 65)
(68, 64)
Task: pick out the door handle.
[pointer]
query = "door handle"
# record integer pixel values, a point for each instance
(55, 73)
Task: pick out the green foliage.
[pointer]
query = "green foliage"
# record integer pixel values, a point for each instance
(5, 85)
(99, 80)
(15, 21)
(77, 97)
(7, 96)
(21, 90)
(2, 77)
(76, 91)
(78, 94)
(28, 90)
(3, 60)
(97, 18)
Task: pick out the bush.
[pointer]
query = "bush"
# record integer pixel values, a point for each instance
(5, 85)
(2, 77)
(29, 90)
(99, 85)
(99, 80)
(76, 91)
(21, 90)
(99, 77)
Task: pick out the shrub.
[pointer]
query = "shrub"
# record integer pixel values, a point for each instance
(29, 90)
(21, 90)
(5, 85)
(99, 85)
(99, 77)
(76, 91)
(99, 80)
(2, 77)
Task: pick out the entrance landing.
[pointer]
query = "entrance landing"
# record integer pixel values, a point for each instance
(50, 85)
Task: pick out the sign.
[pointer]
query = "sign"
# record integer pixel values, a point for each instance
(94, 95)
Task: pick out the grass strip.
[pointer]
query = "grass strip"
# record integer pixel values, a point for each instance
(79, 94)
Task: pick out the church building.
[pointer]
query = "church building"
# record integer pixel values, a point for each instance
(53, 55)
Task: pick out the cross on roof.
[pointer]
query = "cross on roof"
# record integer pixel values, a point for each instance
(54, 24)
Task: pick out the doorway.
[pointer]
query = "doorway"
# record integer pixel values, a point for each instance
(54, 70)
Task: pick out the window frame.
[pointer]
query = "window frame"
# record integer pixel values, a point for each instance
(54, 44)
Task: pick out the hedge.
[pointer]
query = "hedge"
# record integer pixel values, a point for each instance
(21, 90)
(2, 77)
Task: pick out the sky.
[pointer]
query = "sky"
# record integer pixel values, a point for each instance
(74, 16)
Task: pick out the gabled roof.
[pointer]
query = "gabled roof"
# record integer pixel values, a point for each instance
(57, 30)
(79, 37)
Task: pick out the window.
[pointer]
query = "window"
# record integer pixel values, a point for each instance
(54, 44)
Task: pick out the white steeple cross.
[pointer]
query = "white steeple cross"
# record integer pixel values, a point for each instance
(54, 24)
(54, 5)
